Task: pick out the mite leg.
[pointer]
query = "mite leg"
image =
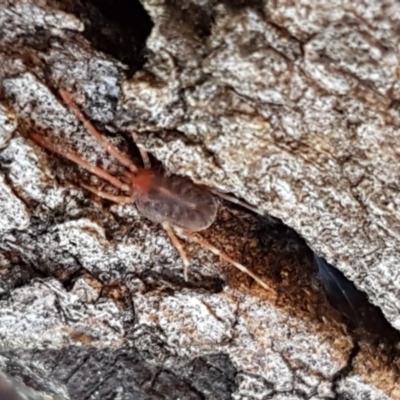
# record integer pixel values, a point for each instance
(178, 245)
(108, 196)
(234, 200)
(127, 175)
(111, 149)
(143, 152)
(225, 257)
(125, 180)
(68, 154)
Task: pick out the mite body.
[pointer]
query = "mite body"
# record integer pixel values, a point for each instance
(175, 202)
(174, 199)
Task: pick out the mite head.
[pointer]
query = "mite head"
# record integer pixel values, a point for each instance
(142, 182)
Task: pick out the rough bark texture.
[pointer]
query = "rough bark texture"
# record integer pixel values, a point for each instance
(291, 106)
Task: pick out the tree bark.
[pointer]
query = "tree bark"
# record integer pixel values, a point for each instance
(290, 106)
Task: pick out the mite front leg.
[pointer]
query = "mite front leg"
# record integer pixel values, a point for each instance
(208, 246)
(178, 245)
(111, 149)
(68, 154)
(104, 195)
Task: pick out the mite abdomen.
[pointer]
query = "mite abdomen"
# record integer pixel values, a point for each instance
(174, 199)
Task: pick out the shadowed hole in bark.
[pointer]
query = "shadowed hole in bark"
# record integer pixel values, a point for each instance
(239, 4)
(294, 270)
(116, 27)
(352, 303)
(192, 17)
(16, 274)
(199, 19)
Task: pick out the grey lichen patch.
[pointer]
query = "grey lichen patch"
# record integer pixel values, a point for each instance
(26, 173)
(87, 288)
(8, 124)
(362, 57)
(354, 387)
(44, 314)
(206, 320)
(19, 18)
(13, 212)
(65, 248)
(84, 241)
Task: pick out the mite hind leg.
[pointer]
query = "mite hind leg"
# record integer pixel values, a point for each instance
(208, 246)
(234, 200)
(178, 245)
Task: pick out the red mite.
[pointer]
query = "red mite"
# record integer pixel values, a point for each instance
(173, 201)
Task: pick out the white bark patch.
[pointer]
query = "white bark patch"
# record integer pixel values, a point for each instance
(13, 212)
(43, 314)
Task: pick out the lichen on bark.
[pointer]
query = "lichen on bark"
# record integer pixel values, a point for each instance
(292, 107)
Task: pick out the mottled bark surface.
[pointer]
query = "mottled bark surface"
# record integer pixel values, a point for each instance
(291, 107)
